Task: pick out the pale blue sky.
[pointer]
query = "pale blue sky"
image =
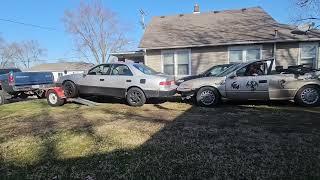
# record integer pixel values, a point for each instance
(59, 43)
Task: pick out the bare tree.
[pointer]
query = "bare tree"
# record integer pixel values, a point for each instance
(307, 11)
(20, 54)
(96, 31)
(27, 53)
(6, 55)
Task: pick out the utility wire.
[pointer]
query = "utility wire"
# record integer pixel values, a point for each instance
(27, 24)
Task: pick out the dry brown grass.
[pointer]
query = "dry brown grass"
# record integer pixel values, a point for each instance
(170, 140)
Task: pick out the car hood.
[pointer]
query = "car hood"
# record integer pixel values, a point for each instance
(187, 78)
(204, 81)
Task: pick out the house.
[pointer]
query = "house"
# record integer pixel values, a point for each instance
(188, 44)
(61, 69)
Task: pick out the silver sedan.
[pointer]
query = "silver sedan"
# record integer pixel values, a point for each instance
(132, 81)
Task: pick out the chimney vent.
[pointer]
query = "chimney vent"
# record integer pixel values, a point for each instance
(196, 9)
(276, 34)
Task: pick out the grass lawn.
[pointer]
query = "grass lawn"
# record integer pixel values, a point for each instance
(161, 141)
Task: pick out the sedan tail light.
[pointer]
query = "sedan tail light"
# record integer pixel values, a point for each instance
(166, 83)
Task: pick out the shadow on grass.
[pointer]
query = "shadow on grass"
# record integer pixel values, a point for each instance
(232, 141)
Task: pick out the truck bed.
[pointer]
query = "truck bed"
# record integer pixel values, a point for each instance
(25, 81)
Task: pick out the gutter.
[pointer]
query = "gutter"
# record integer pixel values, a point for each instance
(233, 43)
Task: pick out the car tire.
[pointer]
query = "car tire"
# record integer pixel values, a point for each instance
(207, 97)
(308, 96)
(135, 97)
(53, 99)
(3, 99)
(70, 89)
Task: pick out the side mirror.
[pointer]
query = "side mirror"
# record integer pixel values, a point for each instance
(84, 74)
(233, 75)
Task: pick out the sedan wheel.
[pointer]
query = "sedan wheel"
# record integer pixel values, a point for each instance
(208, 96)
(136, 97)
(70, 89)
(308, 96)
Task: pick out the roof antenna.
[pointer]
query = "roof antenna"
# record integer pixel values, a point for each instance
(142, 21)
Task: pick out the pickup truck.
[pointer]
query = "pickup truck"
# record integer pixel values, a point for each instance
(14, 84)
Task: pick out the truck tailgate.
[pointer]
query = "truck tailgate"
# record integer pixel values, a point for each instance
(32, 78)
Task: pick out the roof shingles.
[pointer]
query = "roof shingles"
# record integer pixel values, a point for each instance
(251, 25)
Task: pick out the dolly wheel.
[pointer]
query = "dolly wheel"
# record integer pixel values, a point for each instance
(54, 100)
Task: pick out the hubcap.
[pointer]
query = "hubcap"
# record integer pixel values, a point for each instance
(310, 96)
(207, 97)
(135, 97)
(53, 98)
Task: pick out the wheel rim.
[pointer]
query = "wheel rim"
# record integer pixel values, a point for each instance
(207, 97)
(310, 96)
(53, 98)
(135, 97)
(68, 90)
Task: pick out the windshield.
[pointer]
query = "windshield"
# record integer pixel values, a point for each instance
(145, 69)
(217, 70)
(229, 70)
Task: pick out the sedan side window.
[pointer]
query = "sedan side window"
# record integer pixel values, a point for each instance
(100, 70)
(121, 70)
(254, 69)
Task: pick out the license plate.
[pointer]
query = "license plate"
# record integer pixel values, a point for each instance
(35, 86)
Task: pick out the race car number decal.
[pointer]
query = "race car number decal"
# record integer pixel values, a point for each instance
(282, 83)
(252, 85)
(235, 85)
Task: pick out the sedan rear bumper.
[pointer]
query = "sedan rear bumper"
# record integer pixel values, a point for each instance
(158, 94)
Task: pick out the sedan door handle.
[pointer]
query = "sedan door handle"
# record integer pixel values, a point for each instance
(101, 79)
(263, 81)
(128, 80)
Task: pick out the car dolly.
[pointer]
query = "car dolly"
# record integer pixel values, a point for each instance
(56, 97)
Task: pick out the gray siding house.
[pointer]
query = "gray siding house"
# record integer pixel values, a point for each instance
(188, 44)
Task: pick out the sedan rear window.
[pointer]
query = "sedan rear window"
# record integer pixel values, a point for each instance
(145, 69)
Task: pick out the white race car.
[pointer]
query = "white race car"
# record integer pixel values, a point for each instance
(256, 80)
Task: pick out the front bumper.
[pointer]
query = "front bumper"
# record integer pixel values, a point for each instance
(185, 94)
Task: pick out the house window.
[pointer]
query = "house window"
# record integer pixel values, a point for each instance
(308, 54)
(168, 63)
(176, 62)
(239, 54)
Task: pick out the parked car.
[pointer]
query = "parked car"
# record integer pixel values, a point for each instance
(132, 81)
(14, 83)
(213, 71)
(256, 81)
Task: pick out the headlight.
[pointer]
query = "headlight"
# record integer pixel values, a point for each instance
(185, 87)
